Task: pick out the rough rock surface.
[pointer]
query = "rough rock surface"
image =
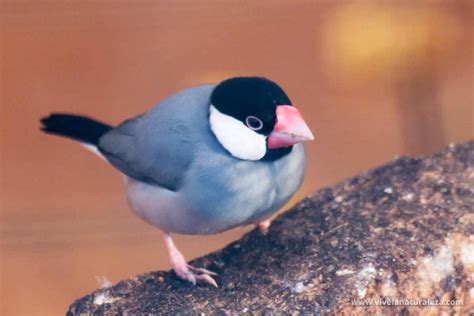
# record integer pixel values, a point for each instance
(404, 230)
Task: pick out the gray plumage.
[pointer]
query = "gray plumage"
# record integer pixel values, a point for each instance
(181, 179)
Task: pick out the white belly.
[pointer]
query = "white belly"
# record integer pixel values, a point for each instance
(158, 206)
(167, 210)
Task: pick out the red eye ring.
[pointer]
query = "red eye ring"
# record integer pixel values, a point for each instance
(254, 123)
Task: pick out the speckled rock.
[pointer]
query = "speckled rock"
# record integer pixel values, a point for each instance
(404, 231)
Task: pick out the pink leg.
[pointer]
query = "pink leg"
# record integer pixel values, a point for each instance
(182, 269)
(264, 225)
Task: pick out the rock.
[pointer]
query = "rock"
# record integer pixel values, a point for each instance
(404, 231)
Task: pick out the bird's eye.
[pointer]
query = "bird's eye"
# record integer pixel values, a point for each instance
(254, 123)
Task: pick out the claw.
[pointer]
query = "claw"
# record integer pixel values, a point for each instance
(193, 275)
(202, 270)
(207, 279)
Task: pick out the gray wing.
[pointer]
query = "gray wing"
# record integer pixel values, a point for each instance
(158, 146)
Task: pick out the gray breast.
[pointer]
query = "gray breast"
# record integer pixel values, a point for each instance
(226, 192)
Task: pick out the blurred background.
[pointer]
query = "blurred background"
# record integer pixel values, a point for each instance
(374, 80)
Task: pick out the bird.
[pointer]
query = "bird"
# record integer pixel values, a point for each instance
(204, 160)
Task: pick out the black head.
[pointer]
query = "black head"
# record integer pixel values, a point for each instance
(251, 100)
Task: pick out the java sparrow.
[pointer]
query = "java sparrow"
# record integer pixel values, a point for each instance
(203, 161)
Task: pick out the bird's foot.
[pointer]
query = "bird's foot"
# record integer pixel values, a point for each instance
(264, 226)
(194, 275)
(185, 271)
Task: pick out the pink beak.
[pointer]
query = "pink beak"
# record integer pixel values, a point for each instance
(289, 129)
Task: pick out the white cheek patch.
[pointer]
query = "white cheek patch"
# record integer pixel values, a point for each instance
(235, 137)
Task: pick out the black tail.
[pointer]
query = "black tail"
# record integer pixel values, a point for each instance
(77, 127)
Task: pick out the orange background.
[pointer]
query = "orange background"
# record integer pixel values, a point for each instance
(373, 82)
